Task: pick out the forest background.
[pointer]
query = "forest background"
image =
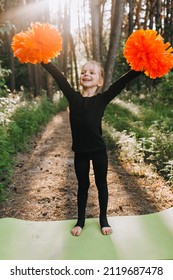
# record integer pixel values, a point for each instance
(95, 30)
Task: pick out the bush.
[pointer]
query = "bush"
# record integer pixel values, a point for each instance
(5, 160)
(165, 89)
(152, 127)
(4, 91)
(26, 122)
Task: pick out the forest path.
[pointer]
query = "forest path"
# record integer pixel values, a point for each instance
(44, 185)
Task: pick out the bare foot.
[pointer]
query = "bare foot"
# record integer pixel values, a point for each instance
(76, 231)
(106, 230)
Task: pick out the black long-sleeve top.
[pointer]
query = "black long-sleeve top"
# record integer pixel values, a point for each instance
(86, 112)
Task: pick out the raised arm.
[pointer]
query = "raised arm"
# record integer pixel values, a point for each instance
(60, 79)
(119, 85)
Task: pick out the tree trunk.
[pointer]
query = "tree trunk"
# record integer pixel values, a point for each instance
(96, 34)
(72, 47)
(11, 62)
(158, 16)
(131, 14)
(171, 24)
(114, 41)
(152, 11)
(49, 81)
(30, 78)
(36, 81)
(85, 35)
(138, 14)
(49, 87)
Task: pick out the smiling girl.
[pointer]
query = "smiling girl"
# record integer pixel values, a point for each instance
(86, 111)
(144, 51)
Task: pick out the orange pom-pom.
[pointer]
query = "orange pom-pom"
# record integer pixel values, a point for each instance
(39, 43)
(145, 51)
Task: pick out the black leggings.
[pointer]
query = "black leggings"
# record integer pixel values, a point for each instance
(82, 167)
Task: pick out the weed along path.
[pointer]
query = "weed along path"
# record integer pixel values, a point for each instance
(44, 185)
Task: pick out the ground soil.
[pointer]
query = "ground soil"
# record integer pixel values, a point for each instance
(44, 185)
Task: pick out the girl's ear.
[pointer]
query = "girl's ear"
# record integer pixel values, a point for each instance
(100, 83)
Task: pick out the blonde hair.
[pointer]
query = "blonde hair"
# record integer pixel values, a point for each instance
(102, 72)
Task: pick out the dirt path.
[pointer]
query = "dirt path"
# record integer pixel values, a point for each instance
(44, 186)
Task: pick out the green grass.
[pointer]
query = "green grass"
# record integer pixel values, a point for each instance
(152, 127)
(122, 119)
(25, 123)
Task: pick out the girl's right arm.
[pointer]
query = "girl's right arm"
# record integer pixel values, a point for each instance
(60, 79)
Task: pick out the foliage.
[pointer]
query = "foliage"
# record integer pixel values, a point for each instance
(162, 92)
(6, 27)
(79, 38)
(26, 122)
(165, 89)
(151, 127)
(122, 119)
(3, 88)
(5, 160)
(168, 170)
(21, 75)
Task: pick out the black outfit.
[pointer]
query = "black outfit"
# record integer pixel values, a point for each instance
(85, 119)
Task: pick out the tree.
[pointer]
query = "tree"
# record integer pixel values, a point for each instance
(115, 34)
(95, 7)
(102, 24)
(7, 32)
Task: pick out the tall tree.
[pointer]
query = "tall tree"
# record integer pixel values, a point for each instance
(9, 37)
(115, 34)
(99, 30)
(7, 33)
(74, 59)
(131, 16)
(84, 30)
(95, 7)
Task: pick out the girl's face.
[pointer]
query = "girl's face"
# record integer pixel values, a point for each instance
(91, 76)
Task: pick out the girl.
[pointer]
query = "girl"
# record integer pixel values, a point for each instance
(86, 111)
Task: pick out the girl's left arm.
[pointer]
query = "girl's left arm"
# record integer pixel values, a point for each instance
(119, 85)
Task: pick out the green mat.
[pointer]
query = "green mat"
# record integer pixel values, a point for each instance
(145, 237)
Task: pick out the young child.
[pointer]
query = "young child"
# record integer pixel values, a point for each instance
(86, 111)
